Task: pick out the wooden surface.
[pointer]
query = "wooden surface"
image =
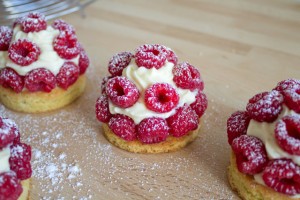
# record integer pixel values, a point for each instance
(240, 47)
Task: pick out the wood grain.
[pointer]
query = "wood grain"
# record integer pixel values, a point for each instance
(240, 47)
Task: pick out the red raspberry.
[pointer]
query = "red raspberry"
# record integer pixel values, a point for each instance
(122, 92)
(123, 126)
(184, 120)
(33, 22)
(118, 62)
(250, 152)
(152, 130)
(19, 161)
(287, 134)
(104, 84)
(10, 186)
(151, 55)
(66, 45)
(283, 176)
(5, 37)
(40, 79)
(265, 106)
(200, 105)
(161, 97)
(68, 74)
(237, 125)
(286, 84)
(187, 76)
(171, 56)
(8, 132)
(23, 52)
(102, 109)
(292, 97)
(11, 79)
(61, 25)
(84, 62)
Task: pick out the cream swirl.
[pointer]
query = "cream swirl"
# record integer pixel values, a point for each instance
(4, 160)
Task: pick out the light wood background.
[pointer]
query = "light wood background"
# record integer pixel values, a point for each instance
(240, 47)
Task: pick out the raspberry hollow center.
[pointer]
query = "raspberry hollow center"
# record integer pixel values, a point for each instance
(293, 130)
(119, 89)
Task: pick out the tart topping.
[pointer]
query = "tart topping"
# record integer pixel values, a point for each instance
(8, 132)
(33, 22)
(102, 109)
(152, 130)
(10, 79)
(283, 176)
(40, 80)
(123, 126)
(251, 156)
(287, 134)
(265, 106)
(5, 37)
(200, 105)
(66, 45)
(161, 97)
(184, 120)
(83, 62)
(122, 92)
(237, 125)
(23, 52)
(10, 186)
(292, 97)
(171, 56)
(151, 55)
(187, 76)
(61, 25)
(67, 75)
(118, 62)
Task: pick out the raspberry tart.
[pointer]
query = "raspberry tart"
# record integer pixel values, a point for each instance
(15, 168)
(265, 142)
(42, 67)
(150, 103)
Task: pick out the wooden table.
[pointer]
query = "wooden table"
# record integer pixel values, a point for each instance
(240, 47)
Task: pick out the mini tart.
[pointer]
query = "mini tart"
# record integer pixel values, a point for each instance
(36, 102)
(26, 188)
(135, 146)
(248, 188)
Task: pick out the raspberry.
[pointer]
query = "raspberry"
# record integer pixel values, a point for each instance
(66, 45)
(161, 97)
(265, 106)
(40, 79)
(104, 84)
(200, 105)
(287, 134)
(23, 52)
(84, 62)
(292, 97)
(171, 56)
(286, 84)
(251, 156)
(283, 176)
(187, 76)
(151, 55)
(118, 62)
(237, 125)
(123, 126)
(122, 92)
(102, 109)
(68, 74)
(11, 79)
(184, 120)
(33, 22)
(61, 25)
(10, 186)
(19, 161)
(5, 37)
(8, 132)
(152, 130)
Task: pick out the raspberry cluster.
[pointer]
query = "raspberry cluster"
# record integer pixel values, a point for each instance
(19, 161)
(24, 52)
(158, 98)
(282, 175)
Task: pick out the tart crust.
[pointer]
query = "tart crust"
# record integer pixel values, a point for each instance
(135, 146)
(248, 189)
(26, 188)
(36, 102)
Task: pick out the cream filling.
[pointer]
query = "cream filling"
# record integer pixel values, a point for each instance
(3, 58)
(143, 78)
(48, 58)
(4, 160)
